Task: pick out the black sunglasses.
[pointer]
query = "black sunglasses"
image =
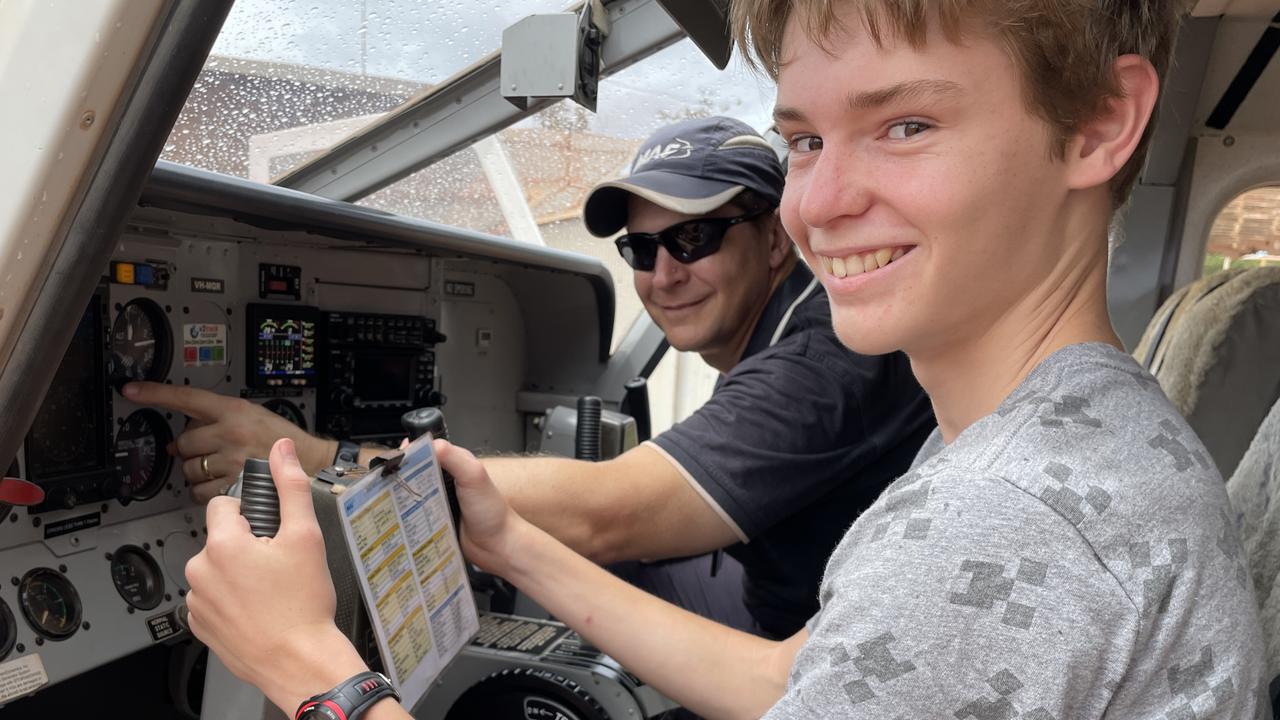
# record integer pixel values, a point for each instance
(687, 241)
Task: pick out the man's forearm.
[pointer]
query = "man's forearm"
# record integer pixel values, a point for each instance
(712, 669)
(555, 494)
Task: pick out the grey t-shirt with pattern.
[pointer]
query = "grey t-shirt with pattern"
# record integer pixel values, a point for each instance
(1069, 556)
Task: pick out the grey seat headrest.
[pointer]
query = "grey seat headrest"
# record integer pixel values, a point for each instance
(1218, 359)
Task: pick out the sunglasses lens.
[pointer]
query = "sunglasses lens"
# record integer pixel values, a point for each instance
(639, 254)
(695, 240)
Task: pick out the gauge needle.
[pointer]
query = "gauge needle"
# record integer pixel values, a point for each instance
(140, 343)
(45, 617)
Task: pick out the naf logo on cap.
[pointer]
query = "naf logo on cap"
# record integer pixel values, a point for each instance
(678, 148)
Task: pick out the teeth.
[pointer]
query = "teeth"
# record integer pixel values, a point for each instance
(858, 264)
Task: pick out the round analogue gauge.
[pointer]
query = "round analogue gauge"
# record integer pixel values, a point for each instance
(141, 344)
(287, 410)
(137, 577)
(8, 630)
(50, 603)
(142, 439)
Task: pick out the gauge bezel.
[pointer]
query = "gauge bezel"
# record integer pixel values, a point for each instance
(71, 594)
(163, 435)
(299, 418)
(159, 320)
(9, 628)
(153, 568)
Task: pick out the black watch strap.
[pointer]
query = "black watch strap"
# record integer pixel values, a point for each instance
(348, 454)
(349, 700)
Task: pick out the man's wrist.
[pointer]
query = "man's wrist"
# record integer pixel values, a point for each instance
(319, 455)
(310, 665)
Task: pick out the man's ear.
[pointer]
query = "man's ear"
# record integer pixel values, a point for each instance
(780, 245)
(1104, 144)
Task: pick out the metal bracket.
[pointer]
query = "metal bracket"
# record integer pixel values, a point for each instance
(550, 56)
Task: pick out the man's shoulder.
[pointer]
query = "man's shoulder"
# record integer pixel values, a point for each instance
(1099, 448)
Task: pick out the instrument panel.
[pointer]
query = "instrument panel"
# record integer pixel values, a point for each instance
(338, 320)
(96, 570)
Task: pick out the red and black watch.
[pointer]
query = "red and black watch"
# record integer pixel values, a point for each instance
(349, 700)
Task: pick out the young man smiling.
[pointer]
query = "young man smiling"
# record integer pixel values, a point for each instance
(1062, 547)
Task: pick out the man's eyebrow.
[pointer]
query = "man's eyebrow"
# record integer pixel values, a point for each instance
(870, 99)
(909, 90)
(786, 113)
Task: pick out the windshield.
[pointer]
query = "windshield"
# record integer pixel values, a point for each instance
(287, 79)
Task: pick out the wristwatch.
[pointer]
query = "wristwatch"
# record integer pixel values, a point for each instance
(349, 700)
(348, 454)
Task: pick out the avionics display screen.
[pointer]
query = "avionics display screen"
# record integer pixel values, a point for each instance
(282, 345)
(384, 378)
(69, 435)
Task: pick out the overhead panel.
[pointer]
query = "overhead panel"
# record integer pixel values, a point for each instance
(460, 111)
(1242, 80)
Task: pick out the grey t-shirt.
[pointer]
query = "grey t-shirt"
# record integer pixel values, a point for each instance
(1069, 556)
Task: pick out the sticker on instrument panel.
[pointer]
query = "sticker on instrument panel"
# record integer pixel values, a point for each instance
(204, 344)
(21, 677)
(164, 626)
(70, 525)
(208, 285)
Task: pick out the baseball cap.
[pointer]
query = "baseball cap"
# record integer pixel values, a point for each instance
(691, 167)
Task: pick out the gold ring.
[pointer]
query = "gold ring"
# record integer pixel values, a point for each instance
(204, 467)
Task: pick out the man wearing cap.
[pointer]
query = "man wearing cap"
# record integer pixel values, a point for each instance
(799, 437)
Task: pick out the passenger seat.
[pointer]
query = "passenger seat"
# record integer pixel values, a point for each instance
(1214, 346)
(1254, 490)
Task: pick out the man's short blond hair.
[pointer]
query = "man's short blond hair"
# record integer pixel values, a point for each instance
(1064, 49)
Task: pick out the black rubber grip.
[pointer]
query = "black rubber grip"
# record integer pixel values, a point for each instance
(259, 501)
(586, 439)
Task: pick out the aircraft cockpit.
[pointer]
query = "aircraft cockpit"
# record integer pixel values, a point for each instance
(347, 212)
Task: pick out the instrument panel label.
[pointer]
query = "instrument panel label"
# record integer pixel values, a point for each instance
(459, 288)
(204, 344)
(164, 626)
(208, 285)
(70, 525)
(22, 676)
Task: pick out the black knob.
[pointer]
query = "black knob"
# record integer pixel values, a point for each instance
(424, 420)
(68, 498)
(343, 397)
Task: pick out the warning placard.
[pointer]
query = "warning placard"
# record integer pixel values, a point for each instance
(21, 676)
(204, 344)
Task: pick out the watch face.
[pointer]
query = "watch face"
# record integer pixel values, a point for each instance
(320, 712)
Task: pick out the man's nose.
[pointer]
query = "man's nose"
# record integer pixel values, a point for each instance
(832, 189)
(667, 271)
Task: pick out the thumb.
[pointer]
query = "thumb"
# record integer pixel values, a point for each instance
(460, 463)
(294, 488)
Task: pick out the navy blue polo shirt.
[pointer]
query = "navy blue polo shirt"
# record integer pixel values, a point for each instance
(794, 443)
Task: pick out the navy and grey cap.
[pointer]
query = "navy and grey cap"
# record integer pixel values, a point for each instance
(691, 167)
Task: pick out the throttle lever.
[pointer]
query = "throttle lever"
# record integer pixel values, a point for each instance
(417, 423)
